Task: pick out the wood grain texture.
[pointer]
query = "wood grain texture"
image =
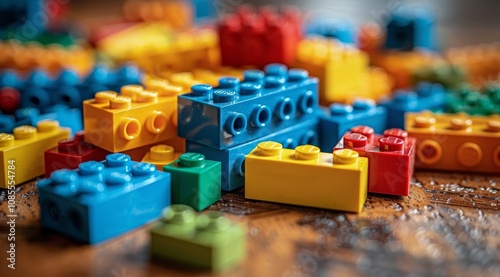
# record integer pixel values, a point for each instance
(449, 225)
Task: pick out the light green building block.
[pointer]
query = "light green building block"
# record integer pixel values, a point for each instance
(207, 241)
(196, 182)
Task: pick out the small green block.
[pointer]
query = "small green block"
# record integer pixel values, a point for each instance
(196, 182)
(206, 241)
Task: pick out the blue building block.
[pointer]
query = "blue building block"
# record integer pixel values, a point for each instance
(409, 27)
(339, 118)
(235, 113)
(336, 28)
(69, 118)
(39, 90)
(206, 10)
(24, 16)
(427, 96)
(101, 200)
(232, 159)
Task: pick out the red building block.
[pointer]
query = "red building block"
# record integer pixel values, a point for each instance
(391, 158)
(10, 100)
(69, 153)
(256, 38)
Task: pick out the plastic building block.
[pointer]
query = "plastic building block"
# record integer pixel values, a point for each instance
(206, 241)
(10, 99)
(335, 28)
(269, 37)
(450, 76)
(137, 154)
(25, 147)
(23, 16)
(70, 153)
(370, 37)
(235, 113)
(101, 200)
(53, 58)
(427, 96)
(411, 27)
(154, 45)
(470, 100)
(135, 118)
(343, 70)
(160, 155)
(391, 158)
(482, 62)
(177, 14)
(232, 159)
(401, 64)
(70, 118)
(196, 182)
(335, 181)
(206, 10)
(340, 118)
(456, 142)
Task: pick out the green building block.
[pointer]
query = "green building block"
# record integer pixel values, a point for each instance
(196, 182)
(450, 76)
(205, 241)
(470, 100)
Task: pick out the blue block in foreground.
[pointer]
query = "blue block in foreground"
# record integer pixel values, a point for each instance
(102, 200)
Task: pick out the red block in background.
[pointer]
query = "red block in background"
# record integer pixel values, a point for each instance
(69, 153)
(252, 37)
(10, 100)
(391, 158)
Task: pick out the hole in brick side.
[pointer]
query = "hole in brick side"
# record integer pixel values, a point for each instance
(75, 219)
(53, 211)
(261, 116)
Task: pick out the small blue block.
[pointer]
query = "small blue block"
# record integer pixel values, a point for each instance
(236, 113)
(232, 159)
(102, 200)
(410, 27)
(340, 118)
(427, 96)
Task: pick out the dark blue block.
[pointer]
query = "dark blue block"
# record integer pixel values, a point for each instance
(427, 96)
(235, 113)
(339, 118)
(101, 200)
(410, 27)
(232, 159)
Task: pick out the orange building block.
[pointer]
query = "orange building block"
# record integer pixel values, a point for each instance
(343, 71)
(482, 62)
(401, 65)
(175, 13)
(138, 117)
(52, 58)
(456, 142)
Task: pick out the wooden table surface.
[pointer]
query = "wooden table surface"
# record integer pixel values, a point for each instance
(448, 226)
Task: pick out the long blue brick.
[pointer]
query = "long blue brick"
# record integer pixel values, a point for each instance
(236, 113)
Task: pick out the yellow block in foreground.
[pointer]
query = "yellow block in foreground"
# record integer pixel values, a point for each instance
(306, 177)
(21, 154)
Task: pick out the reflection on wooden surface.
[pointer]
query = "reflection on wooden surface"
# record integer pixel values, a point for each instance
(449, 225)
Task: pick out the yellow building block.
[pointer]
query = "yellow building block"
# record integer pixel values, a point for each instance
(456, 142)
(401, 64)
(343, 71)
(196, 76)
(160, 155)
(21, 153)
(136, 118)
(306, 177)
